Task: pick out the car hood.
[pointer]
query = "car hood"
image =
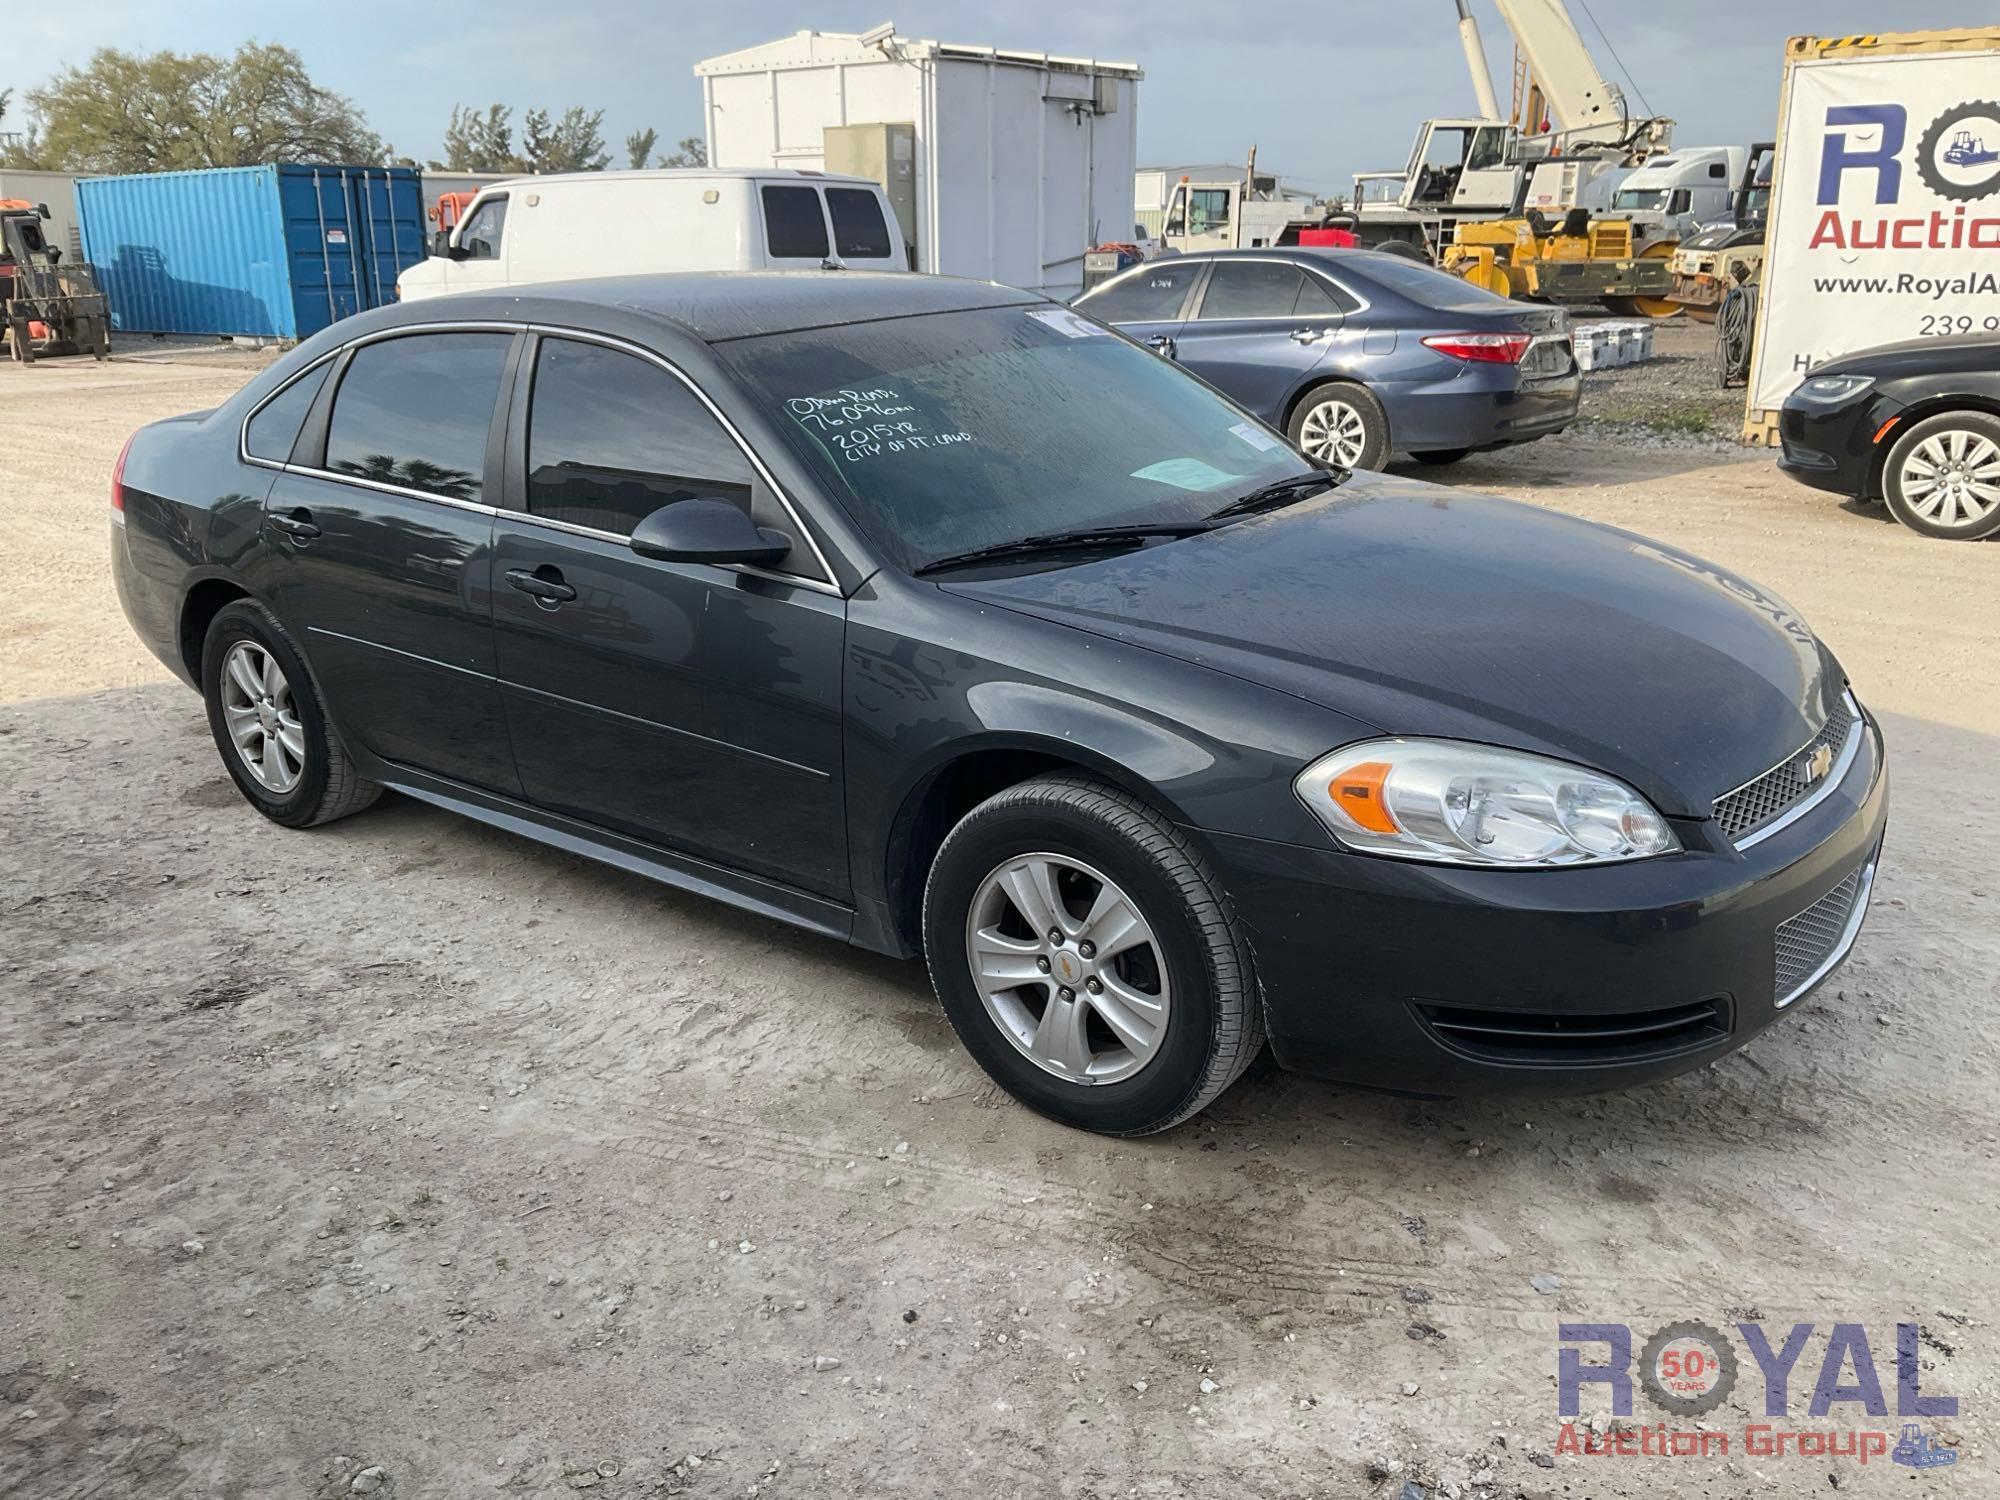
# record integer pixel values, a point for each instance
(1421, 610)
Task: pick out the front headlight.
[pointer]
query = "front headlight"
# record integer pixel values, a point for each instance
(1457, 803)
(1834, 387)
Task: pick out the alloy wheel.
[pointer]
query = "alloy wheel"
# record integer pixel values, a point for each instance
(1952, 478)
(263, 720)
(1069, 968)
(1334, 432)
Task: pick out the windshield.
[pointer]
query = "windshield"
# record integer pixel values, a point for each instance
(955, 431)
(1640, 198)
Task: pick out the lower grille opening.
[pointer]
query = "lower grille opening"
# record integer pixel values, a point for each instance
(1529, 1038)
(1805, 941)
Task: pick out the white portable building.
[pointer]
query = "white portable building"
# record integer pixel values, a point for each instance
(1003, 166)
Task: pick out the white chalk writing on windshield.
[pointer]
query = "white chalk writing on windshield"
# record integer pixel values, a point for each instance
(863, 424)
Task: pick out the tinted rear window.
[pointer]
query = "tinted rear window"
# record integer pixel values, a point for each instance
(415, 411)
(857, 222)
(1425, 285)
(794, 227)
(275, 428)
(1251, 289)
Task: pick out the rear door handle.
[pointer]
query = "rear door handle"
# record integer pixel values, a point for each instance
(1306, 335)
(298, 525)
(1160, 343)
(545, 585)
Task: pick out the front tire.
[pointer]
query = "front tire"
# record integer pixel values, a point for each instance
(1942, 477)
(270, 726)
(1087, 958)
(1343, 424)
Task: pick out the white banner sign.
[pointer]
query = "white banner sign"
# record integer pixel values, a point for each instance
(1886, 217)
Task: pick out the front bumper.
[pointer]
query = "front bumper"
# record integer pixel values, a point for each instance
(1832, 447)
(1441, 981)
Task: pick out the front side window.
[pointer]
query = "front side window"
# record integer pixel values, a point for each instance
(480, 238)
(275, 428)
(858, 226)
(794, 226)
(1208, 210)
(613, 438)
(415, 411)
(1488, 150)
(1251, 289)
(953, 431)
(1150, 294)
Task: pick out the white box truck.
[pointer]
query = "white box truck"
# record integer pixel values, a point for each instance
(1885, 205)
(1008, 165)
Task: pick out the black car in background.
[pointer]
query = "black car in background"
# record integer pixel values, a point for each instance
(934, 617)
(1354, 354)
(1916, 424)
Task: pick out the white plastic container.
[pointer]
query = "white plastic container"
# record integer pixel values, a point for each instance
(1022, 161)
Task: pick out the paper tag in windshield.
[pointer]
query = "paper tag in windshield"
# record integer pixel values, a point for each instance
(1256, 437)
(1185, 474)
(1068, 324)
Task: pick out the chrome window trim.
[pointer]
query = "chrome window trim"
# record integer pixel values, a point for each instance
(1305, 267)
(1848, 751)
(1863, 889)
(824, 584)
(243, 431)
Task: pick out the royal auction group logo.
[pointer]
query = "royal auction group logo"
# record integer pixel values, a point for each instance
(1689, 1369)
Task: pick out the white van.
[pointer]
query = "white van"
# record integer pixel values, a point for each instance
(582, 224)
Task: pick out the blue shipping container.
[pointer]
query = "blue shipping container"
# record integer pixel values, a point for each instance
(271, 252)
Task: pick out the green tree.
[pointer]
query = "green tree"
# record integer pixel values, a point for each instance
(575, 143)
(475, 142)
(638, 145)
(693, 152)
(165, 111)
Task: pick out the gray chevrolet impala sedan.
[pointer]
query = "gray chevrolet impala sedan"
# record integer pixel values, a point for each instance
(936, 617)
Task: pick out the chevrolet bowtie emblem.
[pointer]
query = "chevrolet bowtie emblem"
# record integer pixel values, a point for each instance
(1814, 764)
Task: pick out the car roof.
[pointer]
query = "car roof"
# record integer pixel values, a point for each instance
(715, 306)
(1329, 255)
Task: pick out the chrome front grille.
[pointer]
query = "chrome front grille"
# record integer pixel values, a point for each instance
(1806, 943)
(1770, 796)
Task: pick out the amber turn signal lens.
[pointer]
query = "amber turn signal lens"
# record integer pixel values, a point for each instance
(1357, 791)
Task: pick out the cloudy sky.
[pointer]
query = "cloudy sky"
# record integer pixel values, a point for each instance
(1323, 89)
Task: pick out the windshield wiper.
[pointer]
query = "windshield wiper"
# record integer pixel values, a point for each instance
(1279, 493)
(1057, 541)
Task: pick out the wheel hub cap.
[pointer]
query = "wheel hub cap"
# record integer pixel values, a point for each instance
(1952, 478)
(262, 720)
(1333, 431)
(1068, 968)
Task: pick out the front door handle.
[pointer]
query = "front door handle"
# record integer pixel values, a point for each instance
(298, 525)
(545, 585)
(1159, 343)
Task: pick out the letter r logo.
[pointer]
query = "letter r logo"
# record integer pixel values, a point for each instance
(1571, 1371)
(1878, 156)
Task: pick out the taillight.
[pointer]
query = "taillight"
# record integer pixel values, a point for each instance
(1482, 348)
(118, 483)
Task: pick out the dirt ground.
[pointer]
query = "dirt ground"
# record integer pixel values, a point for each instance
(409, 1158)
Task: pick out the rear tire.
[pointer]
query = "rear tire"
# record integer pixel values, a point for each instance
(1942, 477)
(1441, 456)
(269, 724)
(1156, 1024)
(1341, 423)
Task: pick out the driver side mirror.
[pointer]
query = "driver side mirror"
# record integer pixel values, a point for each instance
(706, 531)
